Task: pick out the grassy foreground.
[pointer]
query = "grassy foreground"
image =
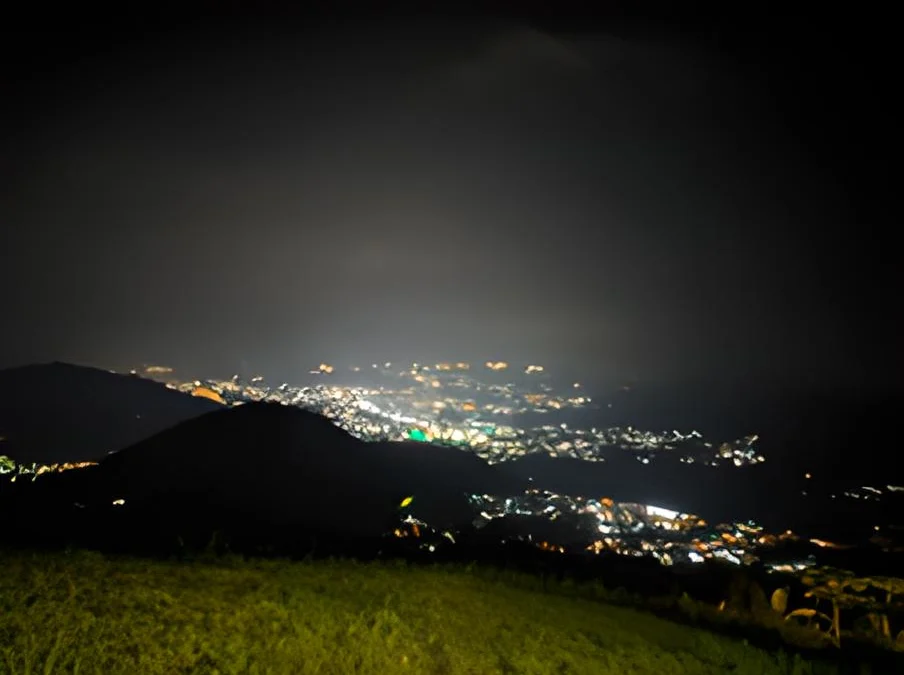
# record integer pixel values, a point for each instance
(85, 613)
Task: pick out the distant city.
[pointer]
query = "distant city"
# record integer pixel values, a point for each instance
(451, 404)
(481, 409)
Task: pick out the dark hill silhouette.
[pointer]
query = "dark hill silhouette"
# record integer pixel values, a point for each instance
(260, 472)
(276, 479)
(59, 412)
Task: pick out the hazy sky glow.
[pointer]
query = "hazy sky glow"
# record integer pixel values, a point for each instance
(629, 205)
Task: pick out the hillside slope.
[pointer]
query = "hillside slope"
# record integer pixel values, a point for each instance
(59, 412)
(261, 470)
(93, 614)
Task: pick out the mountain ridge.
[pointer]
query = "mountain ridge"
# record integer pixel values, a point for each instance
(62, 412)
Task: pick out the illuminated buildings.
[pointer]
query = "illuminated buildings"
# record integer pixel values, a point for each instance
(638, 530)
(446, 404)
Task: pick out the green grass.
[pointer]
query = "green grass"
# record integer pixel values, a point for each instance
(86, 613)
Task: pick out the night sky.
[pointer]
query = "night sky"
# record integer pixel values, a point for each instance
(704, 199)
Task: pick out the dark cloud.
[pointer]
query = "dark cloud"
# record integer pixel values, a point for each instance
(630, 207)
(516, 58)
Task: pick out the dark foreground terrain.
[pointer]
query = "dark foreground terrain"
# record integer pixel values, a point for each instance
(86, 613)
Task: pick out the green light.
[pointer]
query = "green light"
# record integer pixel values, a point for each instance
(417, 435)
